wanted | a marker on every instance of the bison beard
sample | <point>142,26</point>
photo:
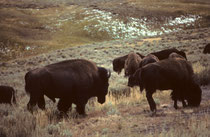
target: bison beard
<point>72,81</point>
<point>7,95</point>
<point>175,74</point>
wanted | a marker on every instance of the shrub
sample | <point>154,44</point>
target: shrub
<point>16,123</point>
<point>203,77</point>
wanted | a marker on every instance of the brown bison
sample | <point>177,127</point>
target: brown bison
<point>173,73</point>
<point>164,54</point>
<point>119,63</point>
<point>72,81</point>
<point>131,63</point>
<point>7,95</point>
<point>148,59</point>
<point>207,49</point>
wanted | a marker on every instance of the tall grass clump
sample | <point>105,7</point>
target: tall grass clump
<point>16,122</point>
<point>202,74</point>
<point>188,127</point>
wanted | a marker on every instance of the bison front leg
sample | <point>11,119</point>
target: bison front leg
<point>151,101</point>
<point>175,104</point>
<point>41,103</point>
<point>81,109</point>
<point>184,103</point>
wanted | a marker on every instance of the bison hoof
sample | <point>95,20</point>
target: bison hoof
<point>176,107</point>
<point>153,113</point>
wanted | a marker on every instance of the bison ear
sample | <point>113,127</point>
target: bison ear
<point>104,73</point>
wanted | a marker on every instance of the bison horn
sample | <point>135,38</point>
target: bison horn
<point>109,73</point>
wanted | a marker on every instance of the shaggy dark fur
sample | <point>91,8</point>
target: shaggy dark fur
<point>7,95</point>
<point>72,81</point>
<point>119,63</point>
<point>175,74</point>
<point>148,59</point>
<point>175,55</point>
<point>207,49</point>
<point>164,54</point>
<point>132,63</point>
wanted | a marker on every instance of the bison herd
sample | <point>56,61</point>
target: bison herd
<point>76,81</point>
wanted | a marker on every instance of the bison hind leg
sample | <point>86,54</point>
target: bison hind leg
<point>41,103</point>
<point>81,109</point>
<point>32,102</point>
<point>151,100</point>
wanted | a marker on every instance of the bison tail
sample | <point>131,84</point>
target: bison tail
<point>26,83</point>
<point>14,98</point>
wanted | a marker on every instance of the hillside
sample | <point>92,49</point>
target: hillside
<point>126,111</point>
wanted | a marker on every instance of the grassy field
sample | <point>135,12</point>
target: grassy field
<point>34,32</point>
<point>126,110</point>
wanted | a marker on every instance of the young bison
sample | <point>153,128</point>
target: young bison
<point>173,73</point>
<point>132,63</point>
<point>119,63</point>
<point>7,95</point>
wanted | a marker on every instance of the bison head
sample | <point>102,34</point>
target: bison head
<point>118,63</point>
<point>194,98</point>
<point>103,84</point>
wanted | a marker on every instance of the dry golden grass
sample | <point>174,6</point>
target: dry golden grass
<point>128,116</point>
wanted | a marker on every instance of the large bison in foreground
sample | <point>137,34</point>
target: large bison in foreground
<point>7,95</point>
<point>173,73</point>
<point>72,81</point>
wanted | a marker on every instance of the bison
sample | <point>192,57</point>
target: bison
<point>119,63</point>
<point>131,63</point>
<point>207,49</point>
<point>164,54</point>
<point>173,73</point>
<point>72,81</point>
<point>148,59</point>
<point>7,95</point>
